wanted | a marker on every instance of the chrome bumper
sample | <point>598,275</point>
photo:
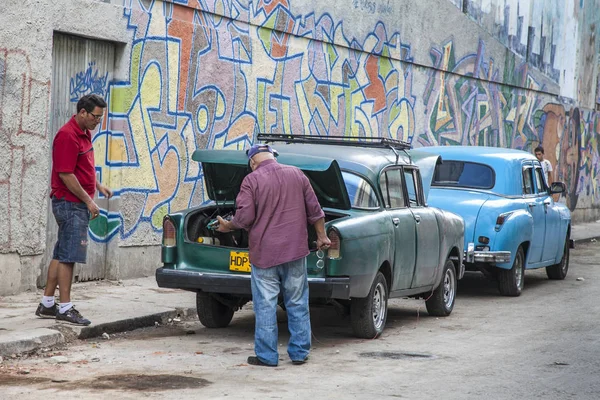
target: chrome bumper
<point>473,256</point>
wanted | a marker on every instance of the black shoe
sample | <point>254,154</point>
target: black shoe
<point>300,362</point>
<point>72,316</point>
<point>252,360</point>
<point>46,312</point>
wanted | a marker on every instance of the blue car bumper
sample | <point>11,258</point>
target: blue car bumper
<point>482,256</point>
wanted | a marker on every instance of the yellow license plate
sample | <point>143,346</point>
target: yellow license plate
<point>239,261</point>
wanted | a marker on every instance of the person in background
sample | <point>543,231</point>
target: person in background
<point>275,205</point>
<point>546,165</point>
<point>73,185</point>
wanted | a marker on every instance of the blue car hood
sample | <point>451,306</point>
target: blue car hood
<point>465,203</point>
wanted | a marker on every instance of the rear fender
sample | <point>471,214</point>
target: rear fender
<point>516,230</point>
<point>367,242</point>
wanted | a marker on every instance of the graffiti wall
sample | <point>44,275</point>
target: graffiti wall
<point>548,34</point>
<point>195,74</point>
<point>199,80</point>
<point>461,110</point>
<point>201,76</point>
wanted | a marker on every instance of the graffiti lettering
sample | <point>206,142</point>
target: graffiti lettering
<point>371,7</point>
<point>365,5</point>
<point>89,81</point>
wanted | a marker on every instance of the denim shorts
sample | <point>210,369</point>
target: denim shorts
<point>73,220</point>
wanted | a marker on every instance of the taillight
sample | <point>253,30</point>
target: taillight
<point>334,249</point>
<point>169,238</point>
<point>502,217</point>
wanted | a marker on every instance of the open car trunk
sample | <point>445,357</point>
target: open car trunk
<point>197,231</point>
<point>224,171</point>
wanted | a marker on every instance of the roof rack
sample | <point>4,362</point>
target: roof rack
<point>380,142</point>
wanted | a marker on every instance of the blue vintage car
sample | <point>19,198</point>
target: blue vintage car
<point>512,222</point>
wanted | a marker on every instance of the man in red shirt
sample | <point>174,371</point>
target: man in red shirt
<point>275,205</point>
<point>73,184</point>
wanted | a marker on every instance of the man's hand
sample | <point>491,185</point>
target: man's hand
<point>106,192</point>
<point>224,226</point>
<point>323,242</point>
<point>93,209</point>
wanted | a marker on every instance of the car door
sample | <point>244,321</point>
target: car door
<point>392,189</point>
<point>427,230</point>
<point>551,216</point>
<point>535,205</point>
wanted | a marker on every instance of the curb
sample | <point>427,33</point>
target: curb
<point>87,332</point>
<point>586,240</point>
<point>21,342</point>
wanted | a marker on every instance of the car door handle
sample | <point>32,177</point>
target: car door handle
<point>531,204</point>
<point>396,221</point>
<point>417,218</point>
<point>547,202</point>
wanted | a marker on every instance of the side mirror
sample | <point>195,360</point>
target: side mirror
<point>558,187</point>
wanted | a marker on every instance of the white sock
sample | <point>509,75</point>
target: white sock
<point>48,301</point>
<point>64,307</point>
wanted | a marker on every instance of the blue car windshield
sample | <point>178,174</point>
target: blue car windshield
<point>464,174</point>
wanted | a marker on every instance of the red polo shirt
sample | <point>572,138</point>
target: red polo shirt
<point>72,152</point>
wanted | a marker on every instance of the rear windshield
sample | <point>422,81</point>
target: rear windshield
<point>463,174</point>
<point>360,192</point>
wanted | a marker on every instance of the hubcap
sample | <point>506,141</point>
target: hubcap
<point>449,287</point>
<point>379,308</point>
<point>519,271</point>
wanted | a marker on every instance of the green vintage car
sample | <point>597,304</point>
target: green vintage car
<point>386,241</point>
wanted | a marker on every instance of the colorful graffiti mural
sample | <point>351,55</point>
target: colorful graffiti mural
<point>465,107</point>
<point>194,83</point>
<point>200,76</point>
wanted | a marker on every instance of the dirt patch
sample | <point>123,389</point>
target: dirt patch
<point>130,382</point>
<point>135,382</point>
<point>21,380</point>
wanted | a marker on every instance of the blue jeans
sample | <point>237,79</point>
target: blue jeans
<point>292,278</point>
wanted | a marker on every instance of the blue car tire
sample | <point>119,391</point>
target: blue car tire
<point>559,271</point>
<point>511,281</point>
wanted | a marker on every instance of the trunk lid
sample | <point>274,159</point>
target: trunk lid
<point>224,171</point>
<point>426,163</point>
<point>466,203</point>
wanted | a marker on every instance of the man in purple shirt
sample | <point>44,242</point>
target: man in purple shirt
<point>275,205</point>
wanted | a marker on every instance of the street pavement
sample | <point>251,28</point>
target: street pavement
<point>119,306</point>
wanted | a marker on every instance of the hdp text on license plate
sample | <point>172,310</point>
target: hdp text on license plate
<point>239,261</point>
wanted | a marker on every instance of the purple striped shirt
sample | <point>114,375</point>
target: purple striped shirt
<point>275,205</point>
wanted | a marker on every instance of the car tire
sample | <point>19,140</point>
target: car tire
<point>441,302</point>
<point>511,281</point>
<point>559,271</point>
<point>368,314</point>
<point>211,312</point>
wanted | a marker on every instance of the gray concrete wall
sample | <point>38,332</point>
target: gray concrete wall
<point>186,77</point>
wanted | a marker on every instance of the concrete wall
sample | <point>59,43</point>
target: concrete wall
<point>196,74</point>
